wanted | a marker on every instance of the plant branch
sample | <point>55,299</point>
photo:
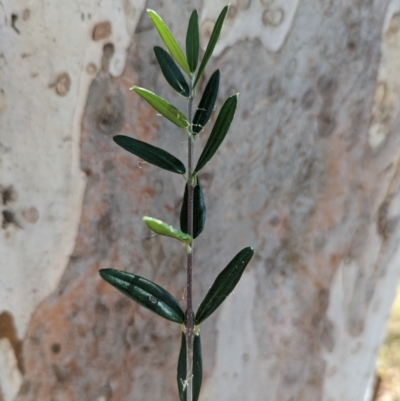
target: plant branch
<point>189,304</point>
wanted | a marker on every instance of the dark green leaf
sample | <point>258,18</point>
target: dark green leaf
<point>211,44</point>
<point>151,154</point>
<point>192,41</point>
<point>199,210</point>
<point>163,107</point>
<point>207,103</point>
<point>145,293</point>
<point>171,71</point>
<point>169,40</point>
<point>218,132</point>
<point>224,284</point>
<point>197,368</point>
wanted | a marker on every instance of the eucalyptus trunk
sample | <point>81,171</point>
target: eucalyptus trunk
<point>309,174</point>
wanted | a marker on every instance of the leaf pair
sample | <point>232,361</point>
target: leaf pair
<point>170,70</point>
<point>188,63</point>
<point>160,301</point>
<point>199,210</point>
<point>197,368</point>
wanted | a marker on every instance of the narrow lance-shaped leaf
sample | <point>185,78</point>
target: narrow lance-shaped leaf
<point>224,284</point>
<point>145,293</point>
<point>171,71</point>
<point>192,41</point>
<point>199,210</point>
<point>197,368</point>
<point>207,103</point>
<point>169,40</point>
<point>218,132</point>
<point>211,43</point>
<point>151,154</point>
<point>163,107</point>
<point>159,227</point>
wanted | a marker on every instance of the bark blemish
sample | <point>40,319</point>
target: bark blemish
<point>308,99</point>
<point>14,18</point>
<point>328,335</point>
<point>62,84</point>
<point>273,18</point>
<point>8,330</point>
<point>101,31</point>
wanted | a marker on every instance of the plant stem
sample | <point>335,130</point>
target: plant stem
<point>189,304</point>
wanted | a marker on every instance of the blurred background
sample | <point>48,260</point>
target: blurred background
<point>308,175</point>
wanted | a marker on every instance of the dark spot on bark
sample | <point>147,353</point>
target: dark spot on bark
<point>328,335</point>
<point>101,310</point>
<point>274,91</point>
<point>14,18</point>
<point>386,225</point>
<point>326,123</point>
<point>8,195</point>
<point>9,218</point>
<point>56,348</point>
<point>326,85</point>
<point>108,166</point>
<point>308,99</point>
<point>108,52</point>
<point>323,300</point>
<point>61,373</point>
<point>110,119</point>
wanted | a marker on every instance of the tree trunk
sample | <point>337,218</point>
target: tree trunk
<point>309,175</point>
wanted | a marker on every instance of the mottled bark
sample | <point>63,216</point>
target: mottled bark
<point>309,175</point>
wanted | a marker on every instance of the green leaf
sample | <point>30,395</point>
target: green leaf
<point>145,293</point>
<point>224,284</point>
<point>211,44</point>
<point>162,228</point>
<point>199,211</point>
<point>163,107</point>
<point>197,368</point>
<point>192,41</point>
<point>207,103</point>
<point>218,132</point>
<point>151,154</point>
<point>171,71</point>
<point>169,40</point>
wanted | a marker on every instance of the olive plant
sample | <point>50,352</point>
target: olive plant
<point>174,64</point>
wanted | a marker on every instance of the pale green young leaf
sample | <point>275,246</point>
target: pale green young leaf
<point>161,228</point>
<point>169,40</point>
<point>163,107</point>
